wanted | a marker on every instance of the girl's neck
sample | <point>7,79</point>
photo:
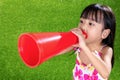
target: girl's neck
<point>95,46</point>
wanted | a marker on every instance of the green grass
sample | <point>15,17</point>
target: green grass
<point>19,16</point>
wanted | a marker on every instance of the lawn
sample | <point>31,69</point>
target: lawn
<point>20,16</point>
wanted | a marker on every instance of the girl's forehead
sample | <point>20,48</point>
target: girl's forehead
<point>96,16</point>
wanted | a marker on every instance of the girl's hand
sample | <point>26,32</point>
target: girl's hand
<point>78,32</point>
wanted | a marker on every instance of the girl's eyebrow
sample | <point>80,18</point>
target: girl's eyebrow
<point>82,18</point>
<point>88,19</point>
<point>91,18</point>
<point>94,20</point>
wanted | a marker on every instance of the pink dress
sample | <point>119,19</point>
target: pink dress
<point>85,72</point>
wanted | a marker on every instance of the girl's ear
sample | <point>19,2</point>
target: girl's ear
<point>105,33</point>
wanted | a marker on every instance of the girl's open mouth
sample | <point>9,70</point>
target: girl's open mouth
<point>85,34</point>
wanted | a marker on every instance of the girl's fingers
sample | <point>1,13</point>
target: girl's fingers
<point>76,45</point>
<point>79,32</point>
<point>76,31</point>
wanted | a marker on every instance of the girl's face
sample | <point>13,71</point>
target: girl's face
<point>92,28</point>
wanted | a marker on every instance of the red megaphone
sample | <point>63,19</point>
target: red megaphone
<point>35,48</point>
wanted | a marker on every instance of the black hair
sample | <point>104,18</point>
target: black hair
<point>107,17</point>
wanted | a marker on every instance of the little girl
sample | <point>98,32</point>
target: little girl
<point>94,59</point>
<point>95,53</point>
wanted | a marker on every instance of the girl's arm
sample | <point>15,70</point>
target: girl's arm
<point>66,50</point>
<point>103,66</point>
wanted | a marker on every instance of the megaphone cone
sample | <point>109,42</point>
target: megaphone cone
<point>35,48</point>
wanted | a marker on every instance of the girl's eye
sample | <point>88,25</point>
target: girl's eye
<point>91,24</point>
<point>81,21</point>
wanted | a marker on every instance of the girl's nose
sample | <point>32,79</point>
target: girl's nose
<point>83,28</point>
<point>84,32</point>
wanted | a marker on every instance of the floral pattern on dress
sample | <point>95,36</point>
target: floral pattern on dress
<point>85,72</point>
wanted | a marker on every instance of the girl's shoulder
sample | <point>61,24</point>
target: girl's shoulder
<point>107,51</point>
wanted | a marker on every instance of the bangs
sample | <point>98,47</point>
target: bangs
<point>93,13</point>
